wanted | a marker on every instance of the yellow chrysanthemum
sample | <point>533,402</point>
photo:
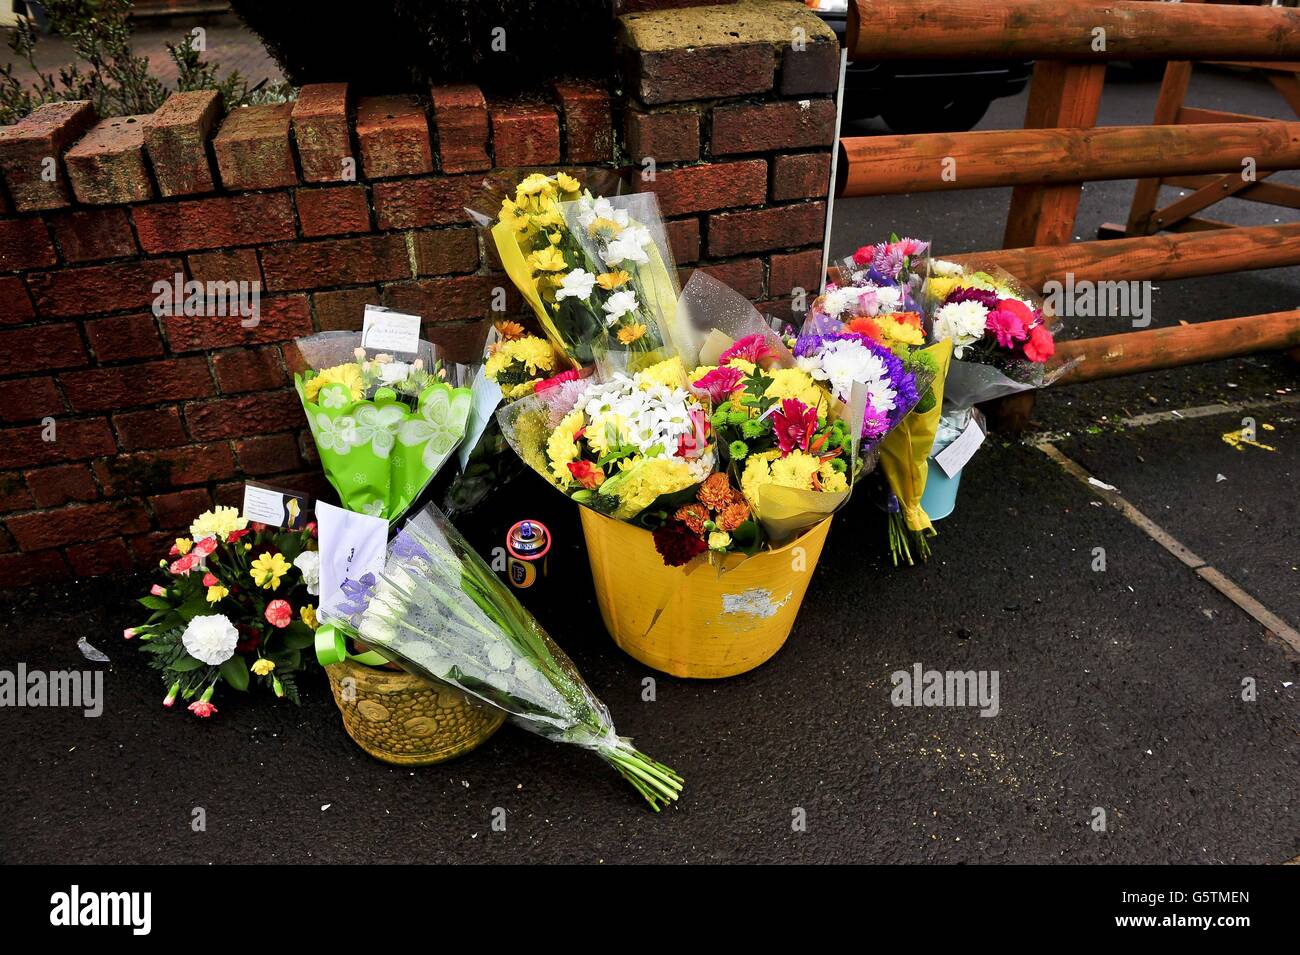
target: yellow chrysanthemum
<point>669,372</point>
<point>218,522</point>
<point>535,354</point>
<point>521,390</point>
<point>263,666</point>
<point>308,614</point>
<point>216,592</point>
<point>902,332</point>
<point>183,545</point>
<point>794,383</point>
<point>612,280</point>
<point>268,569</point>
<point>743,364</point>
<point>348,374</point>
<point>602,224</point>
<point>562,446</point>
<point>640,484</point>
<point>598,430</point>
<point>567,183</point>
<point>630,333</point>
<point>534,185</point>
<point>549,259</point>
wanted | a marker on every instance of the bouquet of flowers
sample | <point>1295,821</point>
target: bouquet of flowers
<point>596,271</point>
<point>440,612</point>
<point>617,444</point>
<point>235,605</point>
<point>384,425</point>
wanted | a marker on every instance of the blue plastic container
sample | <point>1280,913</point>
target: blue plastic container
<point>940,495</point>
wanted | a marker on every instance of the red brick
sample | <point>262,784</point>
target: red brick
<point>89,234</point>
<point>100,557</point>
<point>107,165</point>
<point>412,203</point>
<point>444,251</point>
<point>320,129</point>
<point>248,369</point>
<point>460,115</point>
<point>253,150</point>
<point>248,414</point>
<point>343,310</point>
<point>124,337</point>
<point>230,265</point>
<point>280,318</point>
<point>336,210</point>
<point>459,341</point>
<point>193,224</point>
<point>336,262</point>
<point>74,439</point>
<point>151,547</point>
<point>394,135</point>
<point>79,522</point>
<point>757,230</point>
<point>684,239</point>
<point>44,134</point>
<point>663,135</point>
<point>151,472</point>
<point>743,275</point>
<point>15,303</point>
<point>267,454</point>
<point>101,389</point>
<point>150,428</point>
<point>29,398</point>
<point>23,570</point>
<point>14,496</point>
<point>686,72</point>
<point>524,134</point>
<point>41,347</point>
<point>793,270</point>
<point>438,300</point>
<point>176,139</point>
<point>587,121</point>
<point>179,508</point>
<point>801,176</point>
<point>813,69</point>
<point>100,288</point>
<point>62,484</point>
<point>762,127</point>
<point>713,186</point>
<point>25,244</point>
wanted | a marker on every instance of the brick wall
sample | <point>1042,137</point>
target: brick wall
<point>155,417</point>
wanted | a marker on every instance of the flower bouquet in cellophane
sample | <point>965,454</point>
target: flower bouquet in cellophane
<point>383,424</point>
<point>236,606</point>
<point>440,612</point>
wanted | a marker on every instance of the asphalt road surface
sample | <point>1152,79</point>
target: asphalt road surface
<point>1120,690</point>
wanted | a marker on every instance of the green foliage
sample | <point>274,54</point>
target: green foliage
<point>106,71</point>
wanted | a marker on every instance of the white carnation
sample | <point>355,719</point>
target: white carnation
<point>620,304</point>
<point>577,284</point>
<point>210,638</point>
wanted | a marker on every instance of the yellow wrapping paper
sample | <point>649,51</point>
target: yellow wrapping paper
<point>905,450</point>
<point>516,266</point>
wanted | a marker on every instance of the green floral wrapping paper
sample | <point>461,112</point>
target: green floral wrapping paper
<point>380,454</point>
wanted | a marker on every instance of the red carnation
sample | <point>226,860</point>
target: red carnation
<point>185,564</point>
<point>206,546</point>
<point>1040,346</point>
<point>279,613</point>
<point>236,535</point>
<point>587,474</point>
<point>210,579</point>
<point>676,544</point>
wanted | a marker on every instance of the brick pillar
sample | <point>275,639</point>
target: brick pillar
<point>730,119</point>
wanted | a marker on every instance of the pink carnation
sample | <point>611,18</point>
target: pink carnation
<point>720,383</point>
<point>203,708</point>
<point>279,613</point>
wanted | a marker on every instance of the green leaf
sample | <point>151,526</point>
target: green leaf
<point>156,603</point>
<point>297,636</point>
<point>235,672</point>
<point>185,664</point>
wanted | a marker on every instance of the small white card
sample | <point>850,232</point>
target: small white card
<point>385,331</point>
<point>485,396</point>
<point>351,546</point>
<point>954,457</point>
<point>273,506</point>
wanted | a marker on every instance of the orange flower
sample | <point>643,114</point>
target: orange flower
<point>630,333</point>
<point>509,330</point>
<point>732,516</point>
<point>612,280</point>
<point>862,325</point>
<point>715,493</point>
<point>587,474</point>
<point>693,516</point>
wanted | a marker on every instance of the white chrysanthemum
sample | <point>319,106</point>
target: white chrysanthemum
<point>218,522</point>
<point>308,563</point>
<point>943,267</point>
<point>210,638</point>
<point>842,362</point>
<point>963,322</point>
<point>577,284</point>
<point>838,300</point>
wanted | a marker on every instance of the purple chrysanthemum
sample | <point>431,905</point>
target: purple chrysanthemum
<point>986,297</point>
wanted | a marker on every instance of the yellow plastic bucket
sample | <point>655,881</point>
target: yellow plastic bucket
<point>696,621</point>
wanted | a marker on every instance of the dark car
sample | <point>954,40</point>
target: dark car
<point>922,96</point>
